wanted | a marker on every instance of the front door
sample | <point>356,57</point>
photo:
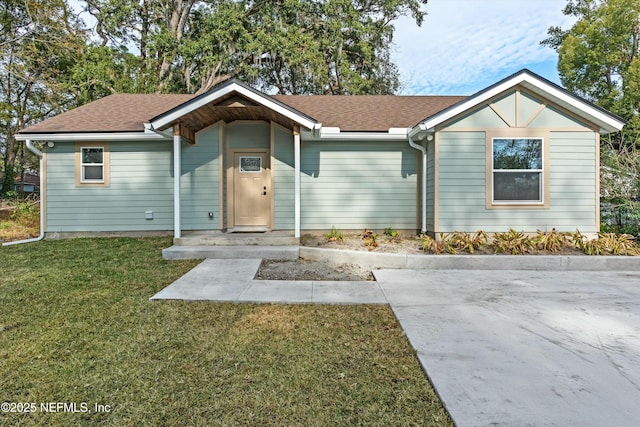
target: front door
<point>251,190</point>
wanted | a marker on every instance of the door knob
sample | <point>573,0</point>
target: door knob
<point>264,191</point>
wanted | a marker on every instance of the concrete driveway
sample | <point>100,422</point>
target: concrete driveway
<point>525,347</point>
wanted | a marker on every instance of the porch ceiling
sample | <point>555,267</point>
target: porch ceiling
<point>229,108</point>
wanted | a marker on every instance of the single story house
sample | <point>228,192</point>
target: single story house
<point>522,153</point>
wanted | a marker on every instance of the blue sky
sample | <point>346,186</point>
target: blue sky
<point>464,46</point>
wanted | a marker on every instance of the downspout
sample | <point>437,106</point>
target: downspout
<point>38,153</point>
<point>424,178</point>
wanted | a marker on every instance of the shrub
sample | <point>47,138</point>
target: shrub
<point>429,244</point>
<point>589,247</point>
<point>433,246</point>
<point>619,244</point>
<point>334,235</point>
<point>26,213</point>
<point>464,242</point>
<point>370,239</point>
<point>615,244</point>
<point>393,234</point>
<point>512,242</point>
<point>550,241</point>
<point>19,220</point>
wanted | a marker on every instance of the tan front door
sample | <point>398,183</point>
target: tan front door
<point>251,190</point>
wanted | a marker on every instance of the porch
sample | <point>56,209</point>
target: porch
<point>220,245</point>
<point>219,238</point>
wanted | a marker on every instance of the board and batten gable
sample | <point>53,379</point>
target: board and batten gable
<point>354,185</point>
<point>462,180</point>
<point>140,180</point>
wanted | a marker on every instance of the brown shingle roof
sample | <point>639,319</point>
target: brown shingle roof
<point>113,113</point>
<point>368,113</point>
<point>129,112</point>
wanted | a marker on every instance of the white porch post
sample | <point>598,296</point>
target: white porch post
<point>296,160</point>
<point>177,141</point>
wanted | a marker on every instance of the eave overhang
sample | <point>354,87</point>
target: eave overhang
<point>257,101</point>
<point>605,121</point>
<point>147,135</point>
<point>336,134</point>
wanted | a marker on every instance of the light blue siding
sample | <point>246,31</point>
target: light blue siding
<point>529,105</point>
<point>507,106</point>
<point>462,186</point>
<point>356,185</point>
<point>199,182</point>
<point>140,181</point>
<point>484,117</point>
<point>249,135</point>
<point>283,179</point>
<point>550,117</point>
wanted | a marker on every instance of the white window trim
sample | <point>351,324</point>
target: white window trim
<point>540,171</point>
<point>83,164</point>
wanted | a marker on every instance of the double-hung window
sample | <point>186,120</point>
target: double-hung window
<point>92,164</point>
<point>517,172</point>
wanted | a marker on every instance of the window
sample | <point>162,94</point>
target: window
<point>92,164</point>
<point>517,170</point>
<point>250,164</point>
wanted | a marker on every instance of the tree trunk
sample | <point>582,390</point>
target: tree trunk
<point>8,180</point>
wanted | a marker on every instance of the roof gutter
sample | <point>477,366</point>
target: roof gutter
<point>421,133</point>
<point>38,153</point>
<point>92,136</point>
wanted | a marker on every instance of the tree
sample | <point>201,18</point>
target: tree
<point>290,46</point>
<point>599,58</point>
<point>39,40</point>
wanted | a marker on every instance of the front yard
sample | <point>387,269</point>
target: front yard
<point>77,330</point>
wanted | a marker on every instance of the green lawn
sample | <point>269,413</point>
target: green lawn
<point>76,326</point>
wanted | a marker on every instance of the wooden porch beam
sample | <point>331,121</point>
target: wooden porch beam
<point>188,134</point>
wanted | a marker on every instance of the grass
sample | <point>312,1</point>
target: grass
<point>76,326</point>
<point>19,220</point>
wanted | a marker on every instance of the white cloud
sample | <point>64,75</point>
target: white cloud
<point>466,45</point>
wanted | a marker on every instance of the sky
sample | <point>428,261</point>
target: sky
<point>464,46</point>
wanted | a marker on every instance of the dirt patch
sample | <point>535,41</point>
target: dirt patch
<point>407,244</point>
<point>302,269</point>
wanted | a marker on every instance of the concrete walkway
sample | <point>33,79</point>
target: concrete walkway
<point>503,347</point>
<point>521,348</point>
<point>232,280</point>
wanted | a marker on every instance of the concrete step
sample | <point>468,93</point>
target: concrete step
<point>237,239</point>
<point>228,252</point>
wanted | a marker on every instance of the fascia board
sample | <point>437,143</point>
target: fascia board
<point>363,136</point>
<point>233,87</point>
<point>471,103</point>
<point>605,121</point>
<point>590,113</point>
<point>89,136</point>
